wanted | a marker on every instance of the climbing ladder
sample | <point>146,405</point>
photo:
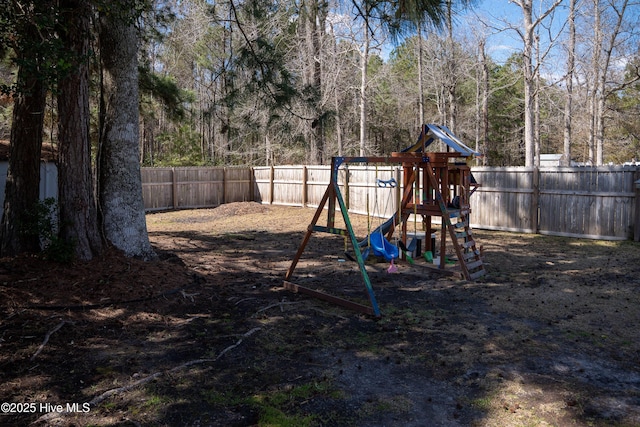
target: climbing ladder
<point>464,244</point>
<point>469,257</point>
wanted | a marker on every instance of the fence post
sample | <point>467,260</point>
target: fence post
<point>271,184</point>
<point>636,214</point>
<point>174,188</point>
<point>305,191</point>
<point>252,184</point>
<point>535,199</point>
<point>224,185</point>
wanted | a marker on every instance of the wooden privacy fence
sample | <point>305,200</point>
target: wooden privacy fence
<point>589,202</point>
<point>195,187</point>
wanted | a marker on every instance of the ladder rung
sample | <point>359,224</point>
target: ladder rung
<point>475,275</point>
<point>458,213</point>
<point>469,255</point>
<point>468,244</point>
<point>473,265</point>
<point>461,234</point>
<point>461,224</point>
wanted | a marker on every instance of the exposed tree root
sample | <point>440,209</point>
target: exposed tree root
<point>49,416</point>
<point>46,339</point>
<point>280,304</point>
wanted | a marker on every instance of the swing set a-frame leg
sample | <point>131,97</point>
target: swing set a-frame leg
<point>332,194</point>
<point>307,235</point>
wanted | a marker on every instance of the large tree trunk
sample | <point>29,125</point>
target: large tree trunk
<point>568,106</point>
<point>318,38</point>
<point>78,212</point>
<point>315,18</point>
<point>336,71</point>
<point>482,144</point>
<point>421,120</point>
<point>529,89</point>
<point>364,63</point>
<point>603,87</point>
<point>23,176</point>
<point>120,185</point>
<point>451,77</point>
<point>529,26</point>
<point>594,82</point>
<point>536,105</point>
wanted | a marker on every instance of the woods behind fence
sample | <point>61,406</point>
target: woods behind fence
<point>591,202</point>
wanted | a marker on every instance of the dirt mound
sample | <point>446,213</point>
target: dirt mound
<point>240,208</point>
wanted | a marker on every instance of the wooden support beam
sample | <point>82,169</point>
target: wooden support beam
<point>330,298</point>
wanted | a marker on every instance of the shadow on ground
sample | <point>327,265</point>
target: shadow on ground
<point>207,336</point>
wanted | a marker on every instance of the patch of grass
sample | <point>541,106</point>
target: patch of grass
<point>393,404</point>
<point>215,397</point>
<point>271,416</point>
<point>303,392</point>
<point>154,401</point>
<point>108,405</point>
<point>151,404</point>
<point>106,371</point>
<point>482,403</point>
<point>277,407</point>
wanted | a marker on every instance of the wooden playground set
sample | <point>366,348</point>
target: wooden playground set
<point>434,184</point>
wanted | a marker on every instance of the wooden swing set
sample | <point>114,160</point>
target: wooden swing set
<point>434,184</point>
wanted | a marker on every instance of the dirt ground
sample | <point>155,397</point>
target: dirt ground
<point>206,335</point>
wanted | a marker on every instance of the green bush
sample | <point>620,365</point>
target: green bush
<point>42,221</point>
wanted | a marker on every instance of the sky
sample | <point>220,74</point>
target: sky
<point>497,13</point>
<point>502,16</point>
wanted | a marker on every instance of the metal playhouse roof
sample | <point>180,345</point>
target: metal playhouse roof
<point>432,131</point>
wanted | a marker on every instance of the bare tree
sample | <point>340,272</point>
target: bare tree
<point>452,75</point>
<point>571,63</point>
<point>527,33</point>
<point>363,34</point>
<point>364,66</point>
<point>482,100</point>
<point>338,70</point>
<point>421,118</point>
<point>314,15</point>
<point>608,41</point>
